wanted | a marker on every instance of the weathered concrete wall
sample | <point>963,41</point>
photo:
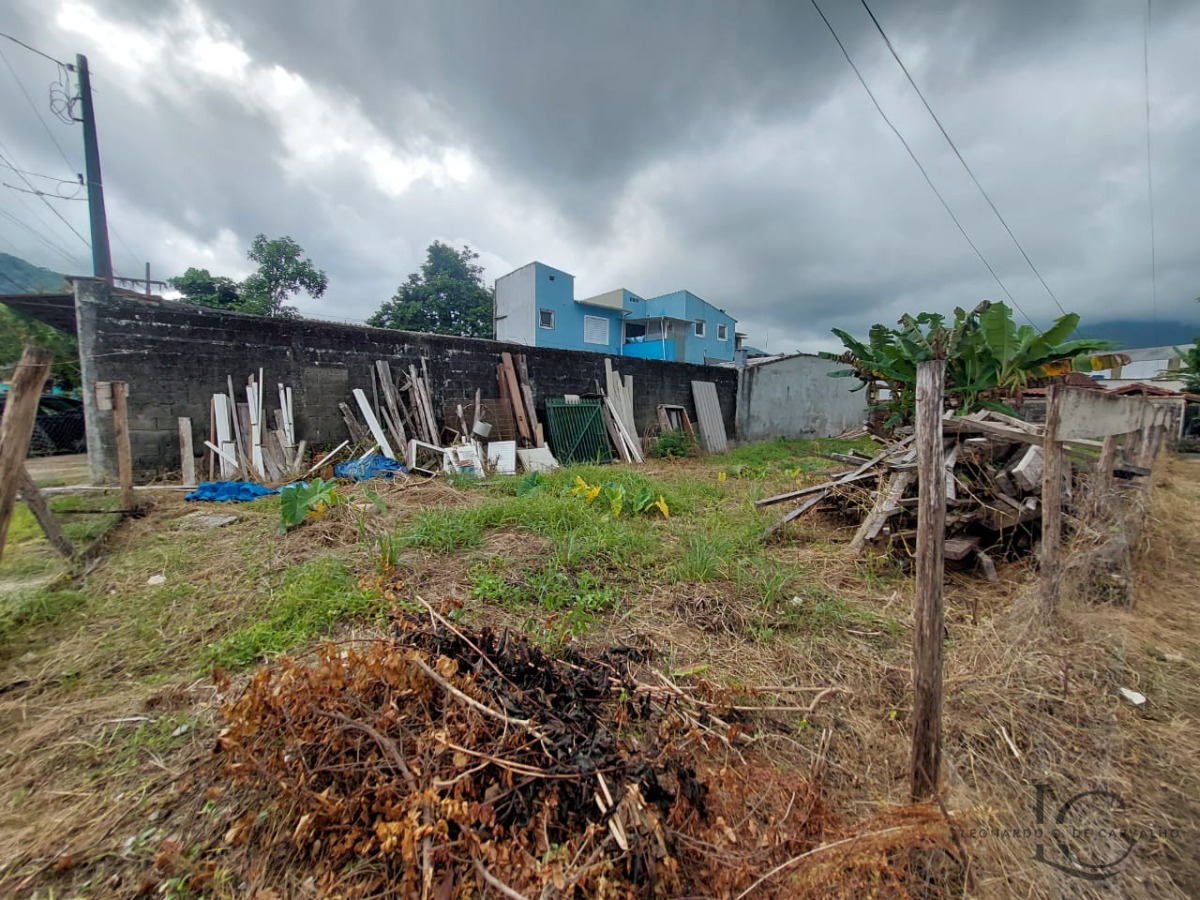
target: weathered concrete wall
<point>794,397</point>
<point>175,357</point>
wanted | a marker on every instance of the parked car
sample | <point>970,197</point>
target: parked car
<point>59,426</point>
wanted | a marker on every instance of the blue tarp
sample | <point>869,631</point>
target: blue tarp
<point>221,491</point>
<point>374,466</point>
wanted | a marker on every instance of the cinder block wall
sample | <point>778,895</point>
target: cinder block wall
<point>175,357</point>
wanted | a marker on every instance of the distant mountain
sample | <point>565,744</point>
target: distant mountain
<point>1131,334</point>
<point>20,277</point>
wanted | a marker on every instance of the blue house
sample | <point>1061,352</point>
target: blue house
<point>536,306</point>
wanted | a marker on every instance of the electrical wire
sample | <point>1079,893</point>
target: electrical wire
<point>36,111</point>
<point>74,261</point>
<point>954,147</point>
<point>1150,163</point>
<point>76,180</point>
<point>55,196</point>
<point>33,49</point>
<point>915,160</point>
<point>12,164</point>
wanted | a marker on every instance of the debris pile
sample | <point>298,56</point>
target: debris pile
<point>993,491</point>
<point>445,761</point>
<point>244,444</point>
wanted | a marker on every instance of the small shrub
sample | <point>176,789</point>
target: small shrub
<point>674,445</point>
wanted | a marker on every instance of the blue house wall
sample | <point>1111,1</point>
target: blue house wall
<point>554,290</point>
<point>686,305</point>
<point>523,296</point>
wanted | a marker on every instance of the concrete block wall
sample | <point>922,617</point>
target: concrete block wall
<point>174,357</point>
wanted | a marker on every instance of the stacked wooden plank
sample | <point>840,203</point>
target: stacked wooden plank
<point>516,392</point>
<point>399,410</point>
<point>993,490</point>
<point>617,408</point>
<point>244,443</point>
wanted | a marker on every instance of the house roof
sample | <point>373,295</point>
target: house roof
<point>1145,390</point>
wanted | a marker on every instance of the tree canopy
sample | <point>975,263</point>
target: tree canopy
<point>201,288</point>
<point>283,270</point>
<point>448,296</point>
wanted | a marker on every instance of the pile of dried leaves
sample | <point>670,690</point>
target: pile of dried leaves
<point>449,762</point>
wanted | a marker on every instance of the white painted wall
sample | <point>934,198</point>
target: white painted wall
<point>516,306</point>
<point>794,397</point>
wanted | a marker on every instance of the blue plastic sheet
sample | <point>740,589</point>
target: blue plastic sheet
<point>376,465</point>
<point>226,491</point>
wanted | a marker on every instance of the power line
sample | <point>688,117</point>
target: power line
<point>36,111</point>
<point>57,178</point>
<point>55,247</point>
<point>954,147</point>
<point>29,184</point>
<point>1150,162</point>
<point>33,49</point>
<point>928,180</point>
<point>37,193</point>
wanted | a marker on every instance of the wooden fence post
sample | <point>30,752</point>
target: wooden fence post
<point>925,769</point>
<point>20,415</point>
<point>1052,478</point>
<point>187,457</point>
<point>120,396</point>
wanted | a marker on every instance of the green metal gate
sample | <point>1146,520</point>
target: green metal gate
<point>577,432</point>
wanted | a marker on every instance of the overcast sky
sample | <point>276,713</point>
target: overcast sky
<point>722,147</point>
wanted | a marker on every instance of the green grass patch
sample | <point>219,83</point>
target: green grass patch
<point>582,533</point>
<point>787,453</point>
<point>314,596</point>
<point>32,607</point>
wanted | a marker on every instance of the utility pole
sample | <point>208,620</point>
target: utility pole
<point>101,255</point>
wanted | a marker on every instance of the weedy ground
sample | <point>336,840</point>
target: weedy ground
<point>107,700</point>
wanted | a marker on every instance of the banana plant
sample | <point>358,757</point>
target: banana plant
<point>987,356</point>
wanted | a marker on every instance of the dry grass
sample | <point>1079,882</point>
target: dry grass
<point>1026,703</point>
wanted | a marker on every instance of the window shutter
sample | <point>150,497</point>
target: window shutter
<point>595,330</point>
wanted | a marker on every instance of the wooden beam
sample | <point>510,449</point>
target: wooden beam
<point>1052,479</point>
<point>121,438</point>
<point>37,504</point>
<point>513,390</point>
<point>926,762</point>
<point>20,415</point>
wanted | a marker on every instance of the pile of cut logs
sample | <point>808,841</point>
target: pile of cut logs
<point>993,491</point>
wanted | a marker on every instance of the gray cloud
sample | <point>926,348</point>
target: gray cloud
<point>724,148</point>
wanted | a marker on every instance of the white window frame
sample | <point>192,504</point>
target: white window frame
<point>542,312</point>
<point>607,325</point>
<point>722,332</point>
<point>698,328</point>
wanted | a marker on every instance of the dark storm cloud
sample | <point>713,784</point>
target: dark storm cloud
<point>720,147</point>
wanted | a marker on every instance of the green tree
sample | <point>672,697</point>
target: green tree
<point>447,296</point>
<point>17,331</point>
<point>201,288</point>
<point>283,270</point>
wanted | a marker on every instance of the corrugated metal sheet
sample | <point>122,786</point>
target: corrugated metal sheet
<point>709,418</point>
